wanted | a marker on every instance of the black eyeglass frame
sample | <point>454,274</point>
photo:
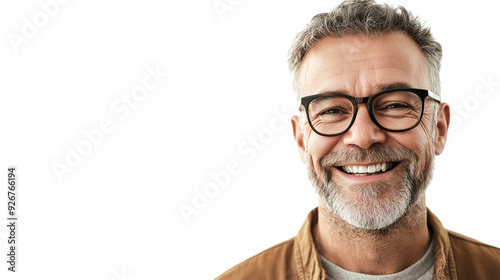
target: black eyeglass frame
<point>422,93</point>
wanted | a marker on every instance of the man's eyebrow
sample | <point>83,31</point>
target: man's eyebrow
<point>394,85</point>
<point>379,88</point>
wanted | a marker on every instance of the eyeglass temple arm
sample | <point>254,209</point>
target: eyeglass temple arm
<point>434,96</point>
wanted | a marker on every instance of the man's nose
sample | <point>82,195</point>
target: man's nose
<point>364,132</point>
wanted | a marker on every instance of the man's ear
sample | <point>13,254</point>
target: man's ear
<point>299,137</point>
<point>441,131</point>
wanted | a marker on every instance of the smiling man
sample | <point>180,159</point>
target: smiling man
<point>371,121</point>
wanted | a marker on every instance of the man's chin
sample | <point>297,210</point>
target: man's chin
<point>371,214</point>
<point>369,223</point>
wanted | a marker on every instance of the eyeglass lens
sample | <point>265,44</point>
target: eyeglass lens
<point>396,110</point>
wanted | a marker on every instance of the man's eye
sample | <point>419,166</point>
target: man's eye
<point>397,106</point>
<point>332,111</point>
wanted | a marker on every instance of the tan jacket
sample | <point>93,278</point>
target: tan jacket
<point>456,257</point>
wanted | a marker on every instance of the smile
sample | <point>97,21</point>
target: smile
<point>367,170</point>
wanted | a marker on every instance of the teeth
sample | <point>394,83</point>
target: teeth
<point>371,168</point>
<point>362,169</point>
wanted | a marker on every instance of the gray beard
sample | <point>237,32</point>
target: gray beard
<point>369,210</point>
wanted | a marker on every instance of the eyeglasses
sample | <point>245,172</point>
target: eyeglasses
<point>395,110</point>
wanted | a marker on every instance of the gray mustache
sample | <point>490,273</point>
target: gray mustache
<point>376,153</point>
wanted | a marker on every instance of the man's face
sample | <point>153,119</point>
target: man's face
<point>360,66</point>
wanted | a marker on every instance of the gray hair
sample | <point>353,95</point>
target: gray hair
<point>365,17</point>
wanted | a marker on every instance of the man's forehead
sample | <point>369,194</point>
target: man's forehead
<point>361,63</point>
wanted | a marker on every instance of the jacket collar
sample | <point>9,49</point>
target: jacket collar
<point>309,264</point>
<point>444,262</point>
<point>307,257</point>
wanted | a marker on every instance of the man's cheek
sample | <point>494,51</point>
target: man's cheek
<point>319,146</point>
<point>315,166</point>
<point>319,171</point>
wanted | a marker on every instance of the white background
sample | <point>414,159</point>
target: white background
<point>116,214</point>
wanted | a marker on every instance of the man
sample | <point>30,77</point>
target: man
<point>370,123</point>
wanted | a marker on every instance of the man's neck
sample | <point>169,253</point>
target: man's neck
<point>374,252</point>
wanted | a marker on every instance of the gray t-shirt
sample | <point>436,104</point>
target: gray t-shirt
<point>421,270</point>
